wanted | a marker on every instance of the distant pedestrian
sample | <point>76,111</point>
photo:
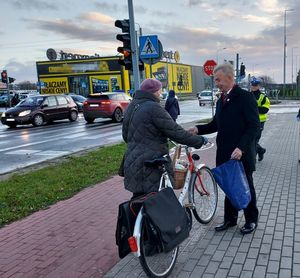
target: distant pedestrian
<point>237,123</point>
<point>263,104</point>
<point>15,100</point>
<point>172,105</point>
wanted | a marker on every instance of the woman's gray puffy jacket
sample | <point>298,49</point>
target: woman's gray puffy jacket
<point>146,128</point>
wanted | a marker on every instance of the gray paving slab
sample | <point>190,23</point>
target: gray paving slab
<point>273,250</point>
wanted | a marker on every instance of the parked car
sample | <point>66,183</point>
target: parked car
<point>79,100</point>
<point>204,97</point>
<point>105,105</point>
<point>4,99</point>
<point>39,109</point>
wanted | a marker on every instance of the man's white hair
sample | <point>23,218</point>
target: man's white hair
<point>226,68</point>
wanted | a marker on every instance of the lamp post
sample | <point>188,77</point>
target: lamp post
<point>284,49</point>
<point>293,66</point>
<point>218,50</point>
<point>297,56</point>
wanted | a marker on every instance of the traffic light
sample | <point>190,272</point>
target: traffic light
<point>11,80</point>
<point>4,76</point>
<point>242,70</point>
<point>126,59</point>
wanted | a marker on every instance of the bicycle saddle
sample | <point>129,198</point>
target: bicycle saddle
<point>156,162</point>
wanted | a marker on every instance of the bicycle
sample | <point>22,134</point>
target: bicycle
<point>202,193</point>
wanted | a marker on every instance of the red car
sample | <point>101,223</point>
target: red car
<point>105,105</point>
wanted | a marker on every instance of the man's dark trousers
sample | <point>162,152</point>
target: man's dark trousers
<point>259,148</point>
<point>250,212</point>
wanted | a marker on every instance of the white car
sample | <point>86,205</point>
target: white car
<point>204,97</point>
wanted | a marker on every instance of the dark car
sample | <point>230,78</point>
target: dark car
<point>105,105</point>
<point>39,109</point>
<point>79,100</point>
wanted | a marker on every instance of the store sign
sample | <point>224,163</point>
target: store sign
<point>172,55</point>
<point>58,85</point>
<point>52,55</point>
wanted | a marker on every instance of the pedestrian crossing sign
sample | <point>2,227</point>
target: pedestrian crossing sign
<point>149,47</point>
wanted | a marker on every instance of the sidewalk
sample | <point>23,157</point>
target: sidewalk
<point>75,238</point>
<point>273,250</point>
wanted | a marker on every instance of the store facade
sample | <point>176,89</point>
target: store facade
<point>84,76</point>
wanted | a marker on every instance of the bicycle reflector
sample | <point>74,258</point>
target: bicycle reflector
<point>132,244</point>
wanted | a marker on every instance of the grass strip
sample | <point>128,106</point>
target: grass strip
<point>23,194</point>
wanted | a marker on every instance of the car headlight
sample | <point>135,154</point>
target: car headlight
<point>24,113</point>
<point>3,114</point>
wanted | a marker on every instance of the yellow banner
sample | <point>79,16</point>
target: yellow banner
<point>176,77</point>
<point>57,85</point>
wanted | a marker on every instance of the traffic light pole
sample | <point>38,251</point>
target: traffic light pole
<point>134,47</point>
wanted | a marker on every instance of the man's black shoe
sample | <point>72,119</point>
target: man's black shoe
<point>248,228</point>
<point>261,155</point>
<point>224,226</point>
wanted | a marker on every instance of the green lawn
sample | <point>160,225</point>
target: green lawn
<point>20,195</point>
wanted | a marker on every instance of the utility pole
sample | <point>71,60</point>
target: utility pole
<point>134,47</point>
<point>237,68</point>
<point>284,50</point>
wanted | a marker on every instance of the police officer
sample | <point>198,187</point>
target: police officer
<point>263,108</point>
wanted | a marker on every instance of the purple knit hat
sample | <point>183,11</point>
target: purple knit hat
<point>150,85</point>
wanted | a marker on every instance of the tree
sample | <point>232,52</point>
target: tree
<point>27,85</point>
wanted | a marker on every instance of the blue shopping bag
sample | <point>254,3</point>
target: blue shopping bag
<point>231,177</point>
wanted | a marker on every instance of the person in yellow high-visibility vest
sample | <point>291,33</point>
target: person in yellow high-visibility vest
<point>263,104</point>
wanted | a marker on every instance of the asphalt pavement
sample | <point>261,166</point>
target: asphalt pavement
<point>75,237</point>
<point>24,146</point>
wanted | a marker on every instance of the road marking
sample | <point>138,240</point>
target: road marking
<point>18,152</point>
<point>53,153</point>
<point>100,136</point>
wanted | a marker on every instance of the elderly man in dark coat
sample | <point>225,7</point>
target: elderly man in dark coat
<point>146,129</point>
<point>237,123</point>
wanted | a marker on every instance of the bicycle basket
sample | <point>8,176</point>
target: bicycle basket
<point>179,178</point>
<point>179,174</point>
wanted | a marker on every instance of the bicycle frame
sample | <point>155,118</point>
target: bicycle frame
<point>134,240</point>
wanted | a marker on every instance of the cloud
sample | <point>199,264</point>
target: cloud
<point>138,9</point>
<point>75,31</point>
<point>192,3</point>
<point>97,17</point>
<point>22,71</point>
<point>258,19</point>
<point>269,6</point>
<point>33,4</point>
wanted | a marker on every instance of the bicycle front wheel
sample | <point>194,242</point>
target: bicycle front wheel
<point>204,195</point>
<point>153,260</point>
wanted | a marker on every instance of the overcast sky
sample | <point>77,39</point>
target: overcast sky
<point>198,29</point>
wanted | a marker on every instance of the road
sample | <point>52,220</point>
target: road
<point>27,145</point>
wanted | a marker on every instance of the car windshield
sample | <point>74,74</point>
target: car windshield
<point>78,98</point>
<point>205,94</point>
<point>31,101</point>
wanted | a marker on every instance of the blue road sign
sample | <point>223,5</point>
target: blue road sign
<point>149,48</point>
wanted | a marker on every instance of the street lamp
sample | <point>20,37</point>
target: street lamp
<point>284,49</point>
<point>218,50</point>
<point>293,66</point>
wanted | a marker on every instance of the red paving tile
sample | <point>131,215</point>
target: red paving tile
<point>63,240</point>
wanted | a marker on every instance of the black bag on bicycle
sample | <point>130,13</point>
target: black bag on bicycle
<point>168,217</point>
<point>127,214</point>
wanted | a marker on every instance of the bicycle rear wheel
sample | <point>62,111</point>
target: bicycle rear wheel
<point>153,260</point>
<point>204,195</point>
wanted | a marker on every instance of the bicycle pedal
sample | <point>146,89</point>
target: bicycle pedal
<point>189,205</point>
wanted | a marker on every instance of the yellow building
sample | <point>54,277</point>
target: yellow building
<point>102,74</point>
<point>82,76</point>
